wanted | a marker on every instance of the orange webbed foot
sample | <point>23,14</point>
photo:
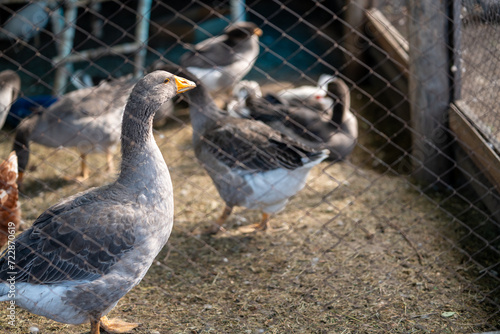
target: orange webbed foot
<point>262,226</point>
<point>117,325</point>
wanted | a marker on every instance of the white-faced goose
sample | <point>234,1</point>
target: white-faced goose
<point>335,129</point>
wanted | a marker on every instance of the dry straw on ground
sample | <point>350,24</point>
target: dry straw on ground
<point>355,252</point>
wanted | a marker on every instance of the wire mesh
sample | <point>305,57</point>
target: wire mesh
<point>362,248</point>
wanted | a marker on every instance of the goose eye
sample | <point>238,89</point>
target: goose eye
<point>166,81</point>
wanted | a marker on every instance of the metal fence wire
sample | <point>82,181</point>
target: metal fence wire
<point>364,245</point>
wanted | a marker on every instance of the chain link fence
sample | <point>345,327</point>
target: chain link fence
<point>362,248</point>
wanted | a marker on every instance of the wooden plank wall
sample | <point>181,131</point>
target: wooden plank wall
<point>482,164</point>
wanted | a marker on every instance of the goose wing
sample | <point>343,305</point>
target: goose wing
<point>254,146</point>
<point>79,239</point>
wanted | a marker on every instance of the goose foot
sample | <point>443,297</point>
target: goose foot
<point>85,170</point>
<point>257,227</point>
<point>217,227</point>
<point>79,178</point>
<point>262,226</point>
<point>94,327</point>
<point>117,325</point>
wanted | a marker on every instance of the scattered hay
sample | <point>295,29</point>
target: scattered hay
<point>346,259</point>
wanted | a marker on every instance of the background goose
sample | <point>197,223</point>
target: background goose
<point>335,129</point>
<point>241,91</point>
<point>82,80</point>
<point>219,62</point>
<point>86,252</point>
<point>251,164</point>
<point>311,96</point>
<point>10,85</point>
<point>87,119</point>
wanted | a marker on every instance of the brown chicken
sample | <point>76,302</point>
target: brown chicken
<point>10,212</point>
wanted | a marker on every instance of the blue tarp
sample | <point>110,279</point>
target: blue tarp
<point>24,106</point>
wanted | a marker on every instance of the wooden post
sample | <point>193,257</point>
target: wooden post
<point>355,39</point>
<point>430,89</point>
<point>455,32</point>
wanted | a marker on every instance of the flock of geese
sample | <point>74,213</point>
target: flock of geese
<point>86,252</point>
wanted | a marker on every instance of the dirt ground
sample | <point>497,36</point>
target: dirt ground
<point>355,252</point>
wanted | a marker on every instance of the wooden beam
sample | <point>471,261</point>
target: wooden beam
<point>476,181</point>
<point>474,144</point>
<point>392,51</point>
<point>389,39</point>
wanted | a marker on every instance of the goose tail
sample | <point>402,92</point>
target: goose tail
<point>315,157</point>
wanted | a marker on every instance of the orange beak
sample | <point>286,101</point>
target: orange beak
<point>257,31</point>
<point>183,85</point>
